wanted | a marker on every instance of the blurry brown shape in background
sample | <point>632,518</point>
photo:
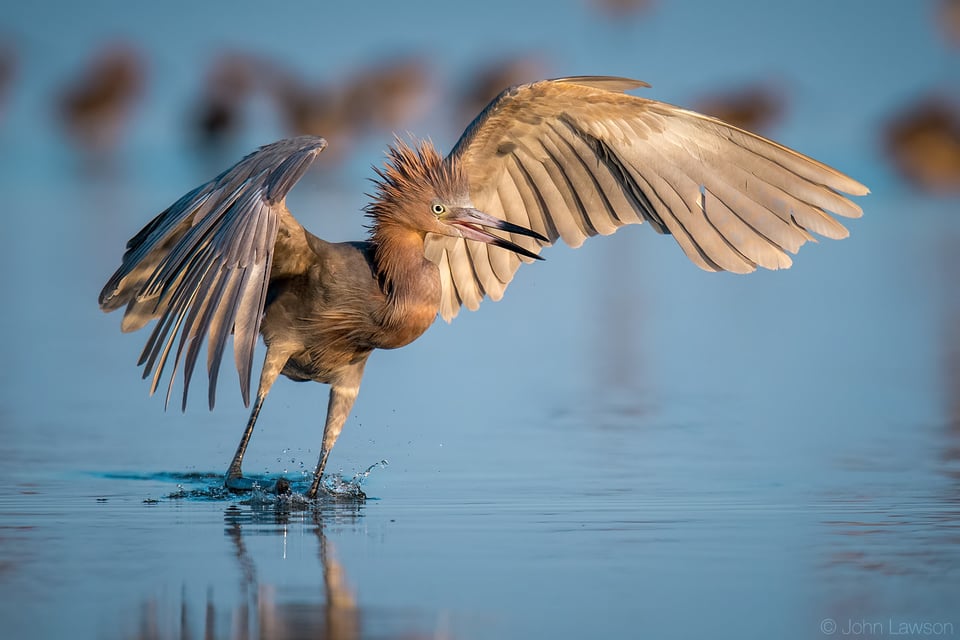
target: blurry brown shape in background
<point>380,97</point>
<point>8,68</point>
<point>98,101</point>
<point>487,82</point>
<point>621,9</point>
<point>387,95</point>
<point>923,141</point>
<point>948,20</point>
<point>310,109</point>
<point>230,83</point>
<point>755,107</point>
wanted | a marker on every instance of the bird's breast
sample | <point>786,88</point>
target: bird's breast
<point>405,323</point>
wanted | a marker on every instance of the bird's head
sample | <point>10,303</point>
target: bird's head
<point>420,191</point>
<point>463,221</point>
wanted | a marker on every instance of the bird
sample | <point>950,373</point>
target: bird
<point>561,159</point>
<point>217,113</point>
<point>754,106</point>
<point>97,103</point>
<point>923,142</point>
<point>486,82</point>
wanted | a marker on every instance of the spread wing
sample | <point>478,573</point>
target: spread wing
<point>576,157</point>
<point>202,267</point>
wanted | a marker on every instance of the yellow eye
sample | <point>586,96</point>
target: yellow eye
<point>438,209</point>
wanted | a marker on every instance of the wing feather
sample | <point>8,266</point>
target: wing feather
<point>504,263</point>
<point>576,157</point>
<point>202,267</point>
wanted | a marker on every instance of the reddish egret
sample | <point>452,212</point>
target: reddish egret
<point>568,159</point>
<point>487,82</point>
<point>96,104</point>
<point>229,84</point>
<point>923,141</point>
<point>754,106</point>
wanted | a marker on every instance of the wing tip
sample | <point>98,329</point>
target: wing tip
<point>858,189</point>
<point>608,83</point>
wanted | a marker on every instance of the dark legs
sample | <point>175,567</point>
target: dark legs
<point>272,365</point>
<point>235,478</point>
<point>343,392</point>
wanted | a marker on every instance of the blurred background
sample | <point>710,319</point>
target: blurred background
<point>624,445</point>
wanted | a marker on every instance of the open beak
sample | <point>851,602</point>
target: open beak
<point>473,225</point>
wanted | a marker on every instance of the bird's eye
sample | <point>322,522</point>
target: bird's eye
<point>438,209</point>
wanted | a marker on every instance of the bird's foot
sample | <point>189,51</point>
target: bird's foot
<point>236,483</point>
<point>239,484</point>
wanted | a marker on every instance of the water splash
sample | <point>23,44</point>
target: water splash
<point>207,492</point>
<point>264,489</point>
<point>337,486</point>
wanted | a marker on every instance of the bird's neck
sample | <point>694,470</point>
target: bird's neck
<point>410,280</point>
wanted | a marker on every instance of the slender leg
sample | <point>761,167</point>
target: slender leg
<point>272,365</point>
<point>342,396</point>
<point>234,472</point>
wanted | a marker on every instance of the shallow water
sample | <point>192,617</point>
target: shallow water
<point>623,447</point>
<point>732,457</point>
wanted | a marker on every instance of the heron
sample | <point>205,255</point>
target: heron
<point>562,159</point>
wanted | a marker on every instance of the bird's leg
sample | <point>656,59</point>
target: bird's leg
<point>273,363</point>
<point>343,393</point>
<point>338,409</point>
<point>234,472</point>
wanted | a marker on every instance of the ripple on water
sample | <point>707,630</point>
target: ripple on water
<point>202,486</point>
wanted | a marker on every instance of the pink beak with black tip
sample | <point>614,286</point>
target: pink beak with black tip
<point>473,224</point>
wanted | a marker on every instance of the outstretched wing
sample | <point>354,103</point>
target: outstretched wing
<point>202,267</point>
<point>576,157</point>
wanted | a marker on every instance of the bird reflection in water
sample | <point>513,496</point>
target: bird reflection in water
<point>263,611</point>
<point>878,528</point>
<point>336,617</point>
<point>948,267</point>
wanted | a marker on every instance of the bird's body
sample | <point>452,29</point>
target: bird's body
<point>564,159</point>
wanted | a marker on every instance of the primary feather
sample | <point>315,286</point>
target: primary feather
<point>576,157</point>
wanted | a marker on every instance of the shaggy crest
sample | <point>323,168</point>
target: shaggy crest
<point>411,174</point>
